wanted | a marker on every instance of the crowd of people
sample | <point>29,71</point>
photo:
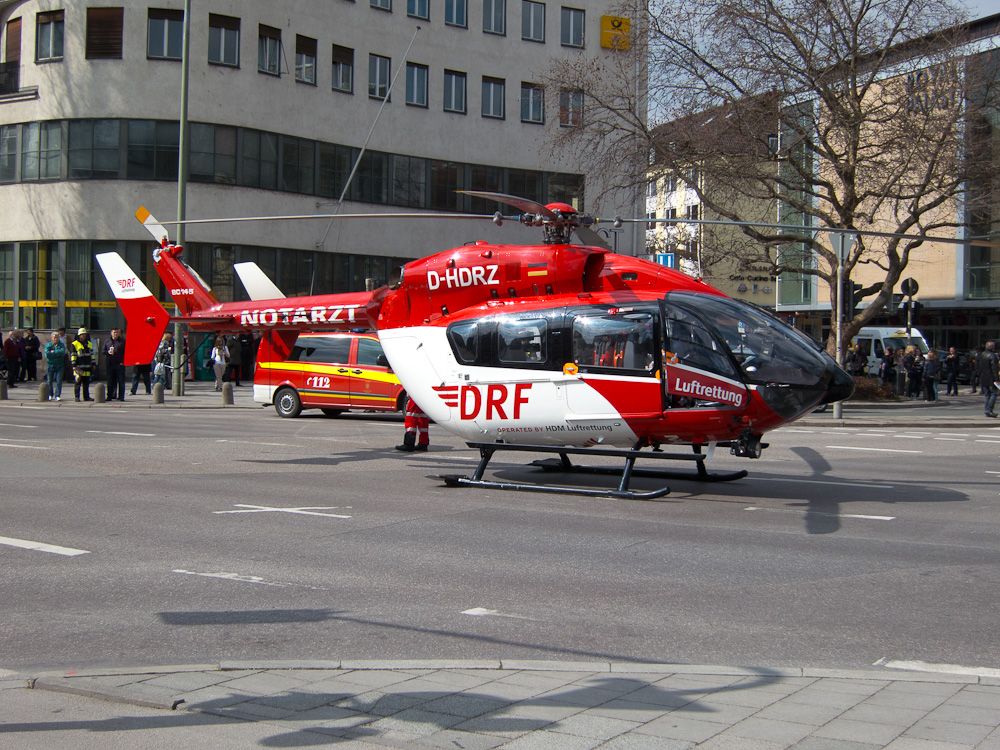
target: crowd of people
<point>77,359</point>
<point>914,374</point>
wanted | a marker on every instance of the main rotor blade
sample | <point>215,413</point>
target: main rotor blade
<point>590,237</point>
<point>232,219</point>
<point>792,229</point>
<point>524,204</point>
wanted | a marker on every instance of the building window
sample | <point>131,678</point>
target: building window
<point>532,103</point>
<point>493,96</point>
<point>269,50</point>
<point>416,84</point>
<point>213,153</point>
<point>152,150</point>
<point>532,21</point>
<point>454,91</point>
<point>572,27</point>
<point>93,149</point>
<point>41,151</point>
<point>104,33</point>
<point>691,213</point>
<point>382,4</point>
<point>223,40</point>
<point>8,154</point>
<point>417,9</point>
<point>378,76</point>
<point>298,164</point>
<point>455,13</point>
<point>49,36</point>
<point>305,59</point>
<point>409,181</point>
<point>447,178</point>
<point>343,69</point>
<point>570,108</point>
<point>495,16</point>
<point>335,163</point>
<point>165,34</point>
<point>260,159</point>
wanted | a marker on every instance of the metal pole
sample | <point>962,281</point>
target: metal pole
<point>182,178</point>
<point>838,244</point>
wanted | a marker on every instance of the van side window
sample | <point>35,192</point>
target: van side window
<point>369,350</point>
<point>878,349</point>
<point>315,349</point>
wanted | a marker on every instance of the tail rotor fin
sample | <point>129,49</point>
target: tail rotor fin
<point>188,290</point>
<point>145,317</point>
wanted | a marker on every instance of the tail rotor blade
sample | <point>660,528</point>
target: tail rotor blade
<point>154,227</point>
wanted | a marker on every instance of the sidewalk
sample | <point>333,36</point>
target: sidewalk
<point>521,705</point>
<point>952,412</point>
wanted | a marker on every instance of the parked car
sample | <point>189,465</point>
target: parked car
<point>331,372</point>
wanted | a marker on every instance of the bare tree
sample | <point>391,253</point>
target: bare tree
<point>872,115</point>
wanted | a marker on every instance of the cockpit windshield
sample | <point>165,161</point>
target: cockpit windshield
<point>766,350</point>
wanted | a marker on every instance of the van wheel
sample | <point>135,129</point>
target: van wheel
<point>287,403</point>
<point>401,402</point>
<point>332,412</point>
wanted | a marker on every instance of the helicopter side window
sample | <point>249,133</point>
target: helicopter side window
<point>464,338</point>
<point>686,341</point>
<point>614,341</point>
<point>521,341</point>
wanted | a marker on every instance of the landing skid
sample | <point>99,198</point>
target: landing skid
<point>563,464</point>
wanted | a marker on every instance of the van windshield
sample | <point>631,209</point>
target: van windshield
<point>901,342</point>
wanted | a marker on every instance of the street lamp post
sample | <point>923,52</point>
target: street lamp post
<point>182,178</point>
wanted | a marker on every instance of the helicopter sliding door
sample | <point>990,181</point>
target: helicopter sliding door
<point>615,352</point>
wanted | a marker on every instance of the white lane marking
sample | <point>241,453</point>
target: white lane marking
<point>483,612</point>
<point>879,450</point>
<point>910,437</point>
<point>810,432</point>
<point>253,442</point>
<point>994,435</point>
<point>988,441</point>
<point>126,434</point>
<point>960,440</point>
<point>923,666</point>
<point>817,481</point>
<point>20,426</point>
<point>248,579</point>
<point>822,513</point>
<point>955,434</point>
<point>992,472</point>
<point>27,447</point>
<point>306,511</point>
<point>42,547</point>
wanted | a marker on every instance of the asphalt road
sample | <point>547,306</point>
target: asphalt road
<point>205,535</point>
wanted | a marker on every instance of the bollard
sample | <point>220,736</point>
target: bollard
<point>158,393</point>
<point>3,390</point>
<point>227,394</point>
<point>100,393</point>
<point>43,391</point>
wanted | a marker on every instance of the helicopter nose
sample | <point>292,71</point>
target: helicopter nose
<point>841,386</point>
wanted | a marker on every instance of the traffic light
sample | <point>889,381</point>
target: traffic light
<point>852,297</point>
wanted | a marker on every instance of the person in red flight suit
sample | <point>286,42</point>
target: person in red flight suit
<point>417,425</point>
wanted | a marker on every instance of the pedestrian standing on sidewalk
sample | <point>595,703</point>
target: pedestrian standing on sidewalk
<point>220,359</point>
<point>932,372</point>
<point>974,367</point>
<point>114,352</point>
<point>55,362</point>
<point>887,370</point>
<point>951,363</point>
<point>12,353</point>
<point>32,353</point>
<point>82,356</point>
<point>988,364</point>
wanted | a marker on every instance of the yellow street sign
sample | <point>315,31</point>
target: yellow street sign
<point>615,32</point>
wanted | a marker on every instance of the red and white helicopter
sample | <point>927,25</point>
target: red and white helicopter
<point>560,348</point>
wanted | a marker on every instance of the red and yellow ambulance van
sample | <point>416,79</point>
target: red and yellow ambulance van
<point>327,371</point>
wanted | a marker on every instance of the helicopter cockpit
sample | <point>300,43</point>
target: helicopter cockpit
<point>792,373</point>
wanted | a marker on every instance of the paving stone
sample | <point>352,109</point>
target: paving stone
<point>13,684</point>
<point>333,714</point>
<point>379,678</point>
<point>458,681</point>
<point>900,699</point>
<point>510,693</point>
<point>853,687</point>
<point>749,698</point>
<point>586,724</point>
<point>293,701</point>
<point>722,713</point>
<point>417,722</point>
<point>263,683</point>
<point>388,705</point>
<point>966,714</point>
<point>420,687</point>
<point>657,696</point>
<point>681,728</point>
<point>572,695</point>
<point>186,682</point>
<point>540,709</point>
<point>948,731</point>
<point>800,713</point>
<point>546,680</point>
<point>722,742</point>
<point>825,743</point>
<point>465,705</point>
<point>214,697</point>
<point>885,715</point>
<point>633,741</point>
<point>859,731</point>
<point>628,710</point>
<point>504,726</point>
<point>544,740</point>
<point>249,712</point>
<point>970,698</point>
<point>769,729</point>
<point>815,697</point>
<point>909,743</point>
<point>946,689</point>
<point>449,739</point>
